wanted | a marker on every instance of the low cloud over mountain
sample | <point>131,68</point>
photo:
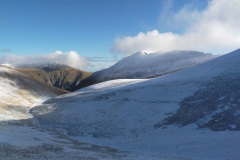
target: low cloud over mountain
<point>71,58</point>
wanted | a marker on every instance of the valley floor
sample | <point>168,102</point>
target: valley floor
<point>21,140</point>
<point>28,142</point>
<point>24,139</point>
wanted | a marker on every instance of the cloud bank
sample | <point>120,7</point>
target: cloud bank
<point>214,29</point>
<point>71,58</point>
<point>99,63</point>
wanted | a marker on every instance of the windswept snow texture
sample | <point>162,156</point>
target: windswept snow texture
<point>149,117</point>
<point>147,65</point>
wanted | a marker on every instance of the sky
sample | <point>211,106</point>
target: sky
<point>94,34</point>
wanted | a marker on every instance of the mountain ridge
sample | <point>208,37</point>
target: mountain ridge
<point>147,65</point>
<point>57,75</point>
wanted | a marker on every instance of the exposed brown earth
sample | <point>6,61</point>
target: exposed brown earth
<point>66,78</point>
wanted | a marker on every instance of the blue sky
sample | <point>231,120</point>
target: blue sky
<point>92,28</point>
<point>85,26</point>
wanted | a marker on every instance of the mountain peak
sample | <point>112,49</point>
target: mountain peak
<point>143,52</point>
<point>140,53</point>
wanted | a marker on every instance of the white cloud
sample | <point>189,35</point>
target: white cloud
<point>71,58</point>
<point>214,29</point>
<point>99,63</point>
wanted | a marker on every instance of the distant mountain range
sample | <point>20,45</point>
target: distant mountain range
<point>147,65</point>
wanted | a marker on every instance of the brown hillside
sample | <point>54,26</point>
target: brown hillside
<point>65,78</point>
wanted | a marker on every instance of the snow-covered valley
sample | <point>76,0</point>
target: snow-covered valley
<point>190,114</point>
<point>20,138</point>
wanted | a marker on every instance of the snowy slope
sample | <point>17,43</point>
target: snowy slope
<point>21,139</point>
<point>111,84</point>
<point>148,65</point>
<point>190,114</point>
<point>18,93</point>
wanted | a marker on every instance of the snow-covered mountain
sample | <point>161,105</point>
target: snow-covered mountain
<point>148,65</point>
<point>190,114</point>
<point>18,93</point>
